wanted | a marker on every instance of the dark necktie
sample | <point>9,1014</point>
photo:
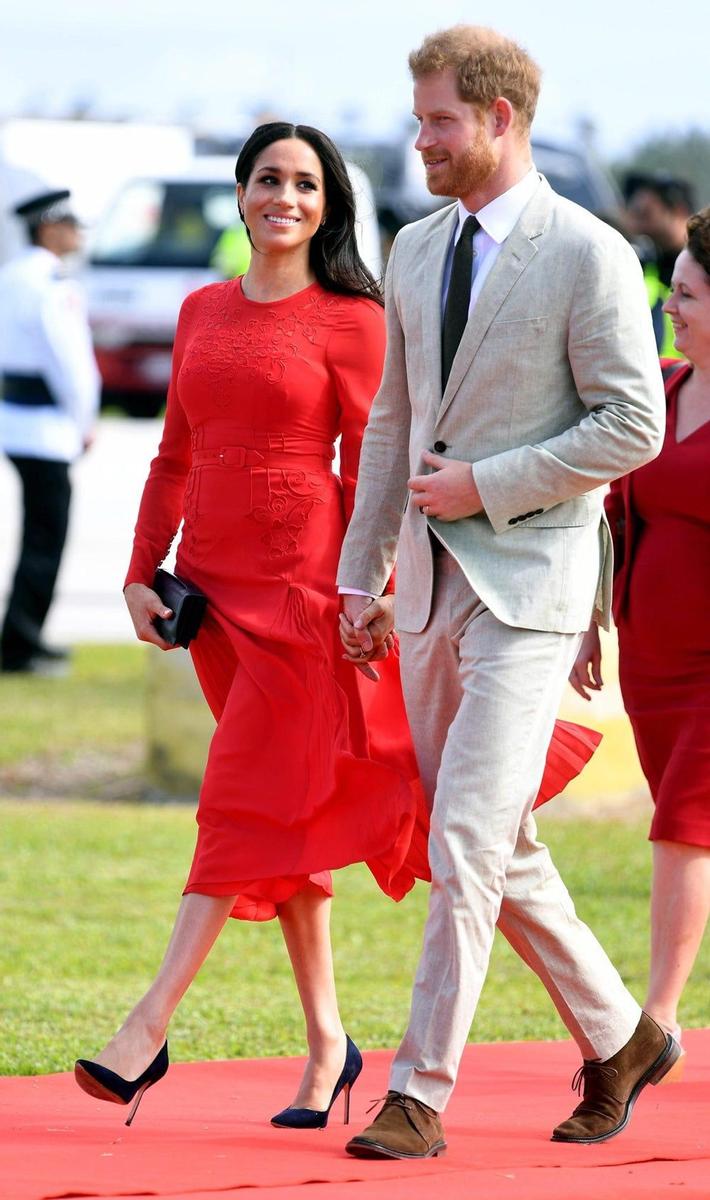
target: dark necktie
<point>458,298</point>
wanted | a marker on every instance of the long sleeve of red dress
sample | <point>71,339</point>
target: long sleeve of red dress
<point>161,505</point>
<point>355,354</point>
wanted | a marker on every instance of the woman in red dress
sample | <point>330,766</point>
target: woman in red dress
<point>310,767</point>
<point>660,520</point>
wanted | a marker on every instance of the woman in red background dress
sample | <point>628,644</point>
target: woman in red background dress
<point>310,767</point>
<point>660,519</point>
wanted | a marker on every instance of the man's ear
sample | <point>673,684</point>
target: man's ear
<point>503,115</point>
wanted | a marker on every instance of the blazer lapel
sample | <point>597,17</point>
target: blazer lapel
<point>432,281</point>
<point>519,249</point>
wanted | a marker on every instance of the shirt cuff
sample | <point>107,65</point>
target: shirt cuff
<point>343,591</point>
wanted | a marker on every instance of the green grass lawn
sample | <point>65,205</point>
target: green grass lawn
<point>98,705</point>
<point>88,896</point>
<point>88,891</point>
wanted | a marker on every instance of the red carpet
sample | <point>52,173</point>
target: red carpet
<point>203,1134</point>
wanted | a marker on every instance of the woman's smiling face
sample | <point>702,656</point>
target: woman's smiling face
<point>688,307</point>
<point>284,199</point>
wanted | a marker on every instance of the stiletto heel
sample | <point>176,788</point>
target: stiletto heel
<point>311,1118</point>
<point>136,1102</point>
<point>104,1084</point>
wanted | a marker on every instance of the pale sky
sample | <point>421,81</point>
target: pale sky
<point>633,66</point>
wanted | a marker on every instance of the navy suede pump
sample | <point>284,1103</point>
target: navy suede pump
<point>98,1081</point>
<point>311,1118</point>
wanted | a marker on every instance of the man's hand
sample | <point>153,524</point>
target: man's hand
<point>367,631</point>
<point>449,493</point>
<point>587,669</point>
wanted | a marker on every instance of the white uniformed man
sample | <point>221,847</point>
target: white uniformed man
<point>50,395</point>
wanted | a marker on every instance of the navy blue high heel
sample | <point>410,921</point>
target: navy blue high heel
<point>311,1118</point>
<point>98,1081</point>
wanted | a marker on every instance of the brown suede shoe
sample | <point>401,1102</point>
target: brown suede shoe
<point>404,1128</point>
<point>611,1088</point>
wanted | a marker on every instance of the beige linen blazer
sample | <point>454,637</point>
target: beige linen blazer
<point>555,390</point>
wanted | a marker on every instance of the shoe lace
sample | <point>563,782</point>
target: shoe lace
<point>589,1073</point>
<point>392,1098</point>
<point>596,1099</point>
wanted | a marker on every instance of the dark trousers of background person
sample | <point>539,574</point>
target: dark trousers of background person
<point>46,495</point>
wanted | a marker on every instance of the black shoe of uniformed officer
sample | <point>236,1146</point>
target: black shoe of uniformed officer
<point>47,661</point>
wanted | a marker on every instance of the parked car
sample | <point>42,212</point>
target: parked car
<point>162,237</point>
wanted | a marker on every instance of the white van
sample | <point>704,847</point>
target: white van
<point>159,239</point>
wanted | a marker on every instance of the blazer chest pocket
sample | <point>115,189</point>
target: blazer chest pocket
<point>580,511</point>
<point>521,334</point>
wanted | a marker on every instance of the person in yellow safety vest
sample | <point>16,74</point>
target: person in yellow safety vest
<point>658,293</point>
<point>232,252</point>
<point>658,207</point>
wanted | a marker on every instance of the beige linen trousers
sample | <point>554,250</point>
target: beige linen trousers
<point>554,391</point>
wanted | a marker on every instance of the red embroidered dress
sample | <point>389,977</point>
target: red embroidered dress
<point>664,639</point>
<point>310,766</point>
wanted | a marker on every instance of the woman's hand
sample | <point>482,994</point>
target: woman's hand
<point>587,669</point>
<point>145,605</point>
<point>367,631</point>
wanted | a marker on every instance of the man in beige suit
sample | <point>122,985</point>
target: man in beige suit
<point>521,376</point>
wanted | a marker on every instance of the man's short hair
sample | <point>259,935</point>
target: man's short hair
<point>673,193</point>
<point>487,65</point>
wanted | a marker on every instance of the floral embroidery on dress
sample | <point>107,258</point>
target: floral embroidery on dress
<point>189,510</point>
<point>260,348</point>
<point>286,513</point>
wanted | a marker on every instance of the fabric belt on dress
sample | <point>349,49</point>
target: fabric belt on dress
<point>30,391</point>
<point>268,450</point>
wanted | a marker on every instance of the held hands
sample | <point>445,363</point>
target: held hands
<point>449,493</point>
<point>587,669</point>
<point>145,605</point>
<point>367,631</point>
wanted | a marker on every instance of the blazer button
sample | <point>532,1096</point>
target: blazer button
<point>538,512</point>
<point>440,447</point>
<point>513,520</point>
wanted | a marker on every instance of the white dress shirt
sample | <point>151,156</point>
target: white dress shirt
<point>497,220</point>
<point>44,331</point>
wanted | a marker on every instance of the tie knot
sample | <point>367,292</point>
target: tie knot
<point>470,227</point>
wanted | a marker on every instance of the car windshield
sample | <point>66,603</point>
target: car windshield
<point>159,224</point>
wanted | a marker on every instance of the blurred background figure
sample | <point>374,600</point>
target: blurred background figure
<point>50,399</point>
<point>660,521</point>
<point>658,207</point>
<point>232,253</point>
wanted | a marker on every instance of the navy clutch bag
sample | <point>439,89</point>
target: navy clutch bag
<point>187,603</point>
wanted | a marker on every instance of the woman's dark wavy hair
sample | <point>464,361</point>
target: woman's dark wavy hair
<point>334,255</point>
<point>699,238</point>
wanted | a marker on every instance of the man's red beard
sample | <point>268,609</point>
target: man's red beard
<point>465,174</point>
